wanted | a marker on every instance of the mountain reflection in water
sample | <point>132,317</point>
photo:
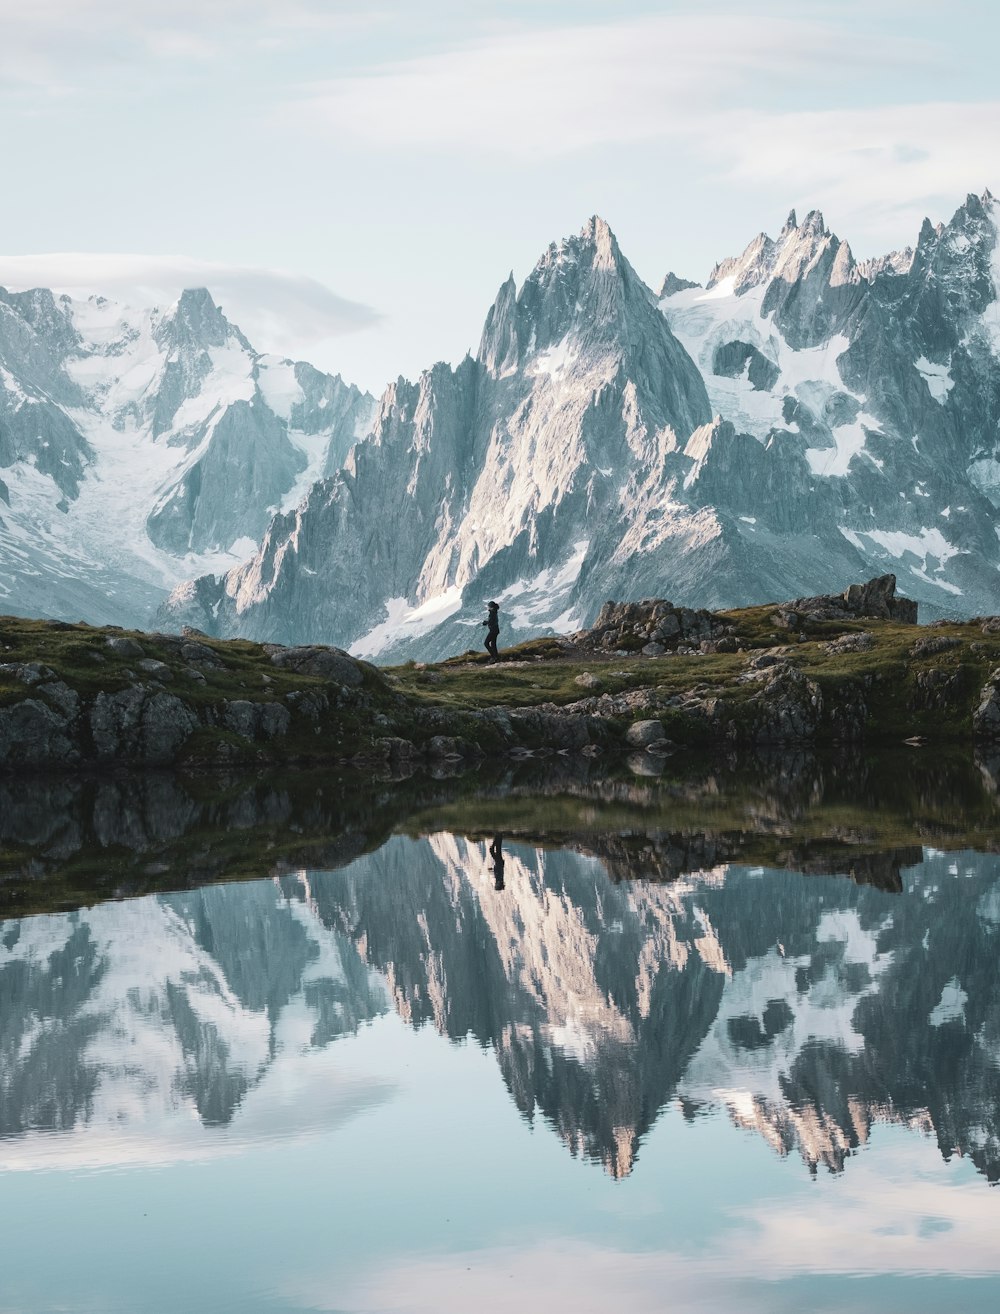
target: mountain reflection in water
<point>808,1007</point>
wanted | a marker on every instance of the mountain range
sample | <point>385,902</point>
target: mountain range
<point>800,421</point>
<point>139,446</point>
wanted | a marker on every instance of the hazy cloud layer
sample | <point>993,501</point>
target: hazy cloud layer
<point>278,311</point>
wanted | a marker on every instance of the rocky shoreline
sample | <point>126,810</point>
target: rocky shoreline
<point>647,679</point>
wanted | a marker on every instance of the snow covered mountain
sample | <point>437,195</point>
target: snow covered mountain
<point>169,1026</point>
<point>800,422</point>
<point>140,446</point>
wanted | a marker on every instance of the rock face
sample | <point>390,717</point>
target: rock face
<point>132,441</point>
<point>652,624</point>
<point>876,599</point>
<point>480,479</point>
<point>801,419</point>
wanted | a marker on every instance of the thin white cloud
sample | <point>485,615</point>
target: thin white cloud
<point>543,93</point>
<point>717,88</point>
<point>278,311</point>
<point>880,167</point>
<point>897,1211</point>
<point>53,44</point>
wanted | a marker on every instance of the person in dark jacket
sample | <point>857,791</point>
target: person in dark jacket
<point>496,853</point>
<point>492,623</point>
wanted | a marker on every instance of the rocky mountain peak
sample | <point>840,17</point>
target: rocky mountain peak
<point>582,288</point>
<point>813,225</point>
<point>596,233</point>
<point>797,249</point>
<point>195,322</point>
<point>673,283</point>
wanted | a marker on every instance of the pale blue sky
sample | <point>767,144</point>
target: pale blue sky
<point>404,155</point>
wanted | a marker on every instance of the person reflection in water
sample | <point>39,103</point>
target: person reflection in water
<point>492,623</point>
<point>496,853</point>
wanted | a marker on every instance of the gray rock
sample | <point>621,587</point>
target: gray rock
<point>641,734</point>
<point>787,708</point>
<point>122,646</point>
<point>273,720</point>
<point>158,670</point>
<point>933,645</point>
<point>198,655</point>
<point>67,700</point>
<point>310,704</point>
<point>861,642</point>
<point>166,724</point>
<point>327,663</point>
<point>241,717</point>
<point>114,722</point>
<point>587,680</point>
<point>255,720</point>
<point>34,734</point>
<point>27,672</point>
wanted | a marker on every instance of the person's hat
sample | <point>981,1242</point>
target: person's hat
<point>494,604</point>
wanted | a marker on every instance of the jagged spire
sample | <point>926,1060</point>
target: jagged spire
<point>813,223</point>
<point>498,347</point>
<point>791,223</point>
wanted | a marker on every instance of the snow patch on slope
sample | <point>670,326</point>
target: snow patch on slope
<point>937,377</point>
<point>531,603</point>
<point>850,439</point>
<point>404,621</point>
<point>704,321</point>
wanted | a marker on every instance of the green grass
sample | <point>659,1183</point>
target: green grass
<point>888,670</point>
<point>396,702</point>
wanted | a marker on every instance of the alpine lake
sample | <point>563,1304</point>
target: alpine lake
<point>715,1035</point>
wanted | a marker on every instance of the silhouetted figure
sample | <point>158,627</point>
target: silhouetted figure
<point>496,853</point>
<point>492,623</point>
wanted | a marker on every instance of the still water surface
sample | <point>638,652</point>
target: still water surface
<point>394,1086</point>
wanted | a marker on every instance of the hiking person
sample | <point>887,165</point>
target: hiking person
<point>496,853</point>
<point>492,623</point>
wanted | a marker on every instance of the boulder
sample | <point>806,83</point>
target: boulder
<point>196,654</point>
<point>326,663</point>
<point>158,670</point>
<point>27,672</point>
<point>34,734</point>
<point>122,646</point>
<point>787,708</point>
<point>134,725</point>
<point>641,734</point>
